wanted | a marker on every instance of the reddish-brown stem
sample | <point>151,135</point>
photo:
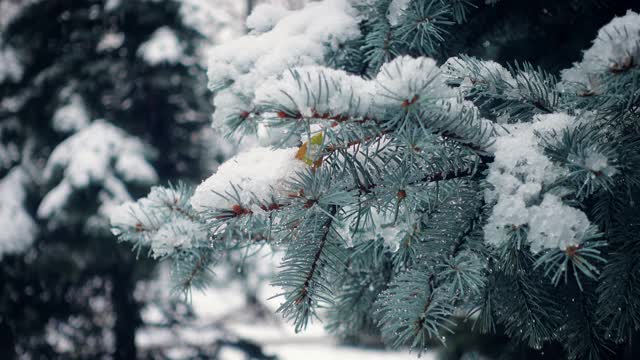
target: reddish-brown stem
<point>316,259</point>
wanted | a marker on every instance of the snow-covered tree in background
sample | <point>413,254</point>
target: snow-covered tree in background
<point>99,100</point>
<point>412,191</point>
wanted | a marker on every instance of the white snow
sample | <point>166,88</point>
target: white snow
<point>18,228</point>
<point>518,151</point>
<point>163,46</point>
<point>404,77</point>
<point>556,225</point>
<point>147,211</point>
<point>133,168</point>
<point>518,174</point>
<point>616,41</point>
<point>55,200</point>
<point>161,221</point>
<point>333,91</point>
<point>598,162</point>
<point>72,116</point>
<point>380,225</point>
<point>257,175</point>
<point>594,161</point>
<point>455,67</point>
<point>616,46</point>
<point>100,155</point>
<point>180,232</point>
<point>396,11</point>
<point>265,16</point>
<point>313,91</point>
<point>216,20</point>
<point>226,306</point>
<point>299,38</point>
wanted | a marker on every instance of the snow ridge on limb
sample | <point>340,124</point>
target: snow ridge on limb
<point>299,38</point>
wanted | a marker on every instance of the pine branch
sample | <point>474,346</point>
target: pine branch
<point>316,258</point>
<point>307,267</point>
<point>430,304</point>
<point>238,211</point>
<point>197,269</point>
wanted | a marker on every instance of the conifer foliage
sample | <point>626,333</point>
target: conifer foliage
<point>410,194</point>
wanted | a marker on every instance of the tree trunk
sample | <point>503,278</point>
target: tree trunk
<point>126,311</point>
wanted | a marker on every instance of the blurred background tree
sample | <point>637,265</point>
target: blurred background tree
<point>107,97</point>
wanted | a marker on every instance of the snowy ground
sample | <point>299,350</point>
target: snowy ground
<point>222,313</point>
<point>281,340</point>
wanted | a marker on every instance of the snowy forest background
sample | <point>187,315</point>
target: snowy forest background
<point>102,99</point>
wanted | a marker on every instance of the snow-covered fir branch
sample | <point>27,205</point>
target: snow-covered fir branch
<point>407,194</point>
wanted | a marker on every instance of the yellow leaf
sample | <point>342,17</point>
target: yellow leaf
<point>303,151</point>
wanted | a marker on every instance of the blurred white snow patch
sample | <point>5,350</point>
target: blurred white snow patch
<point>396,11</point>
<point>222,312</point>
<point>88,156</point>
<point>331,351</point>
<point>9,150</point>
<point>111,4</point>
<point>163,46</point>
<point>265,16</point>
<point>110,41</point>
<point>10,9</point>
<point>276,336</point>
<point>56,338</point>
<point>217,20</point>
<point>99,155</point>
<point>18,230</point>
<point>10,67</point>
<point>72,116</point>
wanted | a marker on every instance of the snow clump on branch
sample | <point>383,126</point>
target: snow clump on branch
<point>616,49</point>
<point>518,175</point>
<point>250,178</point>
